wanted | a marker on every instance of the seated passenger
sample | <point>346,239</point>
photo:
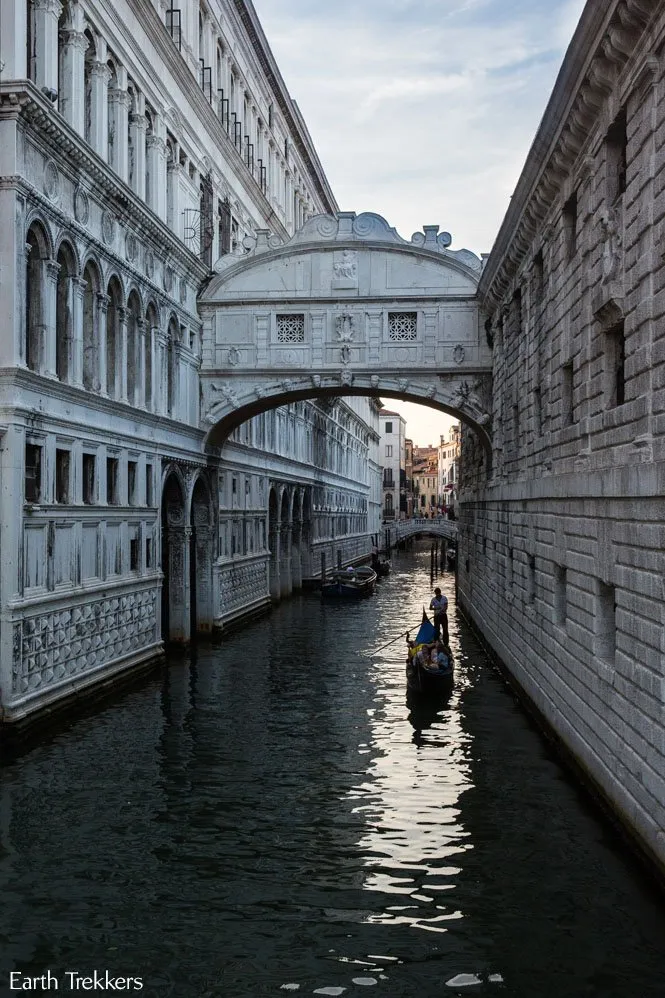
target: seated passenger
<point>444,657</point>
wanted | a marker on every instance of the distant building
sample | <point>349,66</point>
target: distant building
<point>393,455</point>
<point>449,451</point>
<point>408,469</point>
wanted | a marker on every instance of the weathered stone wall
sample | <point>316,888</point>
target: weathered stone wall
<point>562,550</point>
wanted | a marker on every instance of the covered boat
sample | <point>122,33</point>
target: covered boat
<point>421,677</point>
<point>349,584</point>
<point>381,566</point>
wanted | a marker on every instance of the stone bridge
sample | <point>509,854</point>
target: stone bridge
<point>439,527</point>
<point>345,307</point>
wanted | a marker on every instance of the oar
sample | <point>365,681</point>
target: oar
<point>392,642</point>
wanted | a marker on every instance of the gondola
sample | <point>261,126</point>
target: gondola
<point>381,566</point>
<point>451,556</point>
<point>350,584</point>
<point>427,682</point>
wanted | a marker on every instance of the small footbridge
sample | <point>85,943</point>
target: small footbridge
<point>435,527</point>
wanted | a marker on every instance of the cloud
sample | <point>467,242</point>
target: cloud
<point>422,110</point>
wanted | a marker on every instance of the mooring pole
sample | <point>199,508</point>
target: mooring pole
<point>323,568</point>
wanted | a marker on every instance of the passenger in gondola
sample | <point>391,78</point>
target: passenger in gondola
<point>444,658</point>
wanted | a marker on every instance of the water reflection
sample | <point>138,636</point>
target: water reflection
<point>277,815</point>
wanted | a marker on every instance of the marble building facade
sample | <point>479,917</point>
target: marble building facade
<point>141,143</point>
<point>562,540</point>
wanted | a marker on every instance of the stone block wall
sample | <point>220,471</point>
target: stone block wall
<point>562,549</point>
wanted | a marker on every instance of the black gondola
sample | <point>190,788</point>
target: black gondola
<point>451,556</point>
<point>419,679</point>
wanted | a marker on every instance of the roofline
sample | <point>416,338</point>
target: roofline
<point>287,105</point>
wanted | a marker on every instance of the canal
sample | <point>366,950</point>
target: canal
<point>272,818</point>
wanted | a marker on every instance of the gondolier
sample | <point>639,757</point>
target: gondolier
<point>439,606</point>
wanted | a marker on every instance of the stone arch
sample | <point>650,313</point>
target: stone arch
<point>150,346</point>
<point>38,253</point>
<point>175,558</point>
<point>201,556</point>
<point>285,533</point>
<point>65,306</point>
<point>134,358</point>
<point>91,307</point>
<point>273,542</point>
<point>114,323</point>
<point>172,342</point>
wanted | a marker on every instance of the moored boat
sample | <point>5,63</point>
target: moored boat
<point>350,584</point>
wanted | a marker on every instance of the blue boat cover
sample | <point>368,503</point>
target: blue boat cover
<point>426,633</point>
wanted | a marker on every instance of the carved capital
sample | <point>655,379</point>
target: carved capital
<point>102,302</point>
<point>53,269</point>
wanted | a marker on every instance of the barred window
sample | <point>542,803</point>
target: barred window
<point>402,325</point>
<point>291,328</point>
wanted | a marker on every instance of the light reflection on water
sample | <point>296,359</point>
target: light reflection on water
<point>288,822</point>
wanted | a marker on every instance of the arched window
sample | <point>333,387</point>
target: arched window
<point>113,340</point>
<point>113,145</point>
<point>133,341</point>
<point>37,254</point>
<point>149,180</point>
<point>90,53</point>
<point>64,313</point>
<point>131,148</point>
<point>172,367</point>
<point>151,323</point>
<point>90,329</point>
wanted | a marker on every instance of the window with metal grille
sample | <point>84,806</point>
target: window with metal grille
<point>291,328</point>
<point>33,473</point>
<point>173,24</point>
<point>402,325</point>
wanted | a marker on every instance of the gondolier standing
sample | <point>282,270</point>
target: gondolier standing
<point>439,605</point>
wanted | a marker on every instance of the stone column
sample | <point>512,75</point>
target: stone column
<point>47,348</point>
<point>159,372</point>
<point>78,287</point>
<point>99,109</point>
<point>274,545</point>
<point>153,344</point>
<point>286,583</point>
<point>137,129</point>
<point>296,554</point>
<point>46,14</point>
<point>102,315</point>
<point>156,160</point>
<point>121,356</point>
<point>71,96</point>
<point>173,182</point>
<point>119,101</point>
<point>139,393</point>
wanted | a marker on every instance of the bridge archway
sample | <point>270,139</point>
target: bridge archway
<point>345,307</point>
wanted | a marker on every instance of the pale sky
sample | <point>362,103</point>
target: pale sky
<point>422,110</point>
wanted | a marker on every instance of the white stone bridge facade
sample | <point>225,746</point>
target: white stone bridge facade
<point>345,307</point>
<point>437,527</point>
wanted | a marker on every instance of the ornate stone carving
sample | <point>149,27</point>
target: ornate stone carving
<point>81,206</point>
<point>430,391</point>
<point>403,384</point>
<point>287,385</point>
<point>227,392</point>
<point>53,646</point>
<point>466,397</point>
<point>169,276</point>
<point>149,264</point>
<point>458,354</point>
<point>346,269</point>
<point>374,381</point>
<point>346,378</point>
<point>51,180</point>
<point>609,222</point>
<point>108,227</point>
<point>183,290</point>
<point>233,357</point>
<point>131,246</point>
<point>316,380</point>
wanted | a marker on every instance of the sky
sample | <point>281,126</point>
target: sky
<point>422,110</point>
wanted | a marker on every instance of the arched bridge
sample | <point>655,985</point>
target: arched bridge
<point>345,307</point>
<point>438,526</point>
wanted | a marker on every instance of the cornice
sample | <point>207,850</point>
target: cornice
<point>604,41</point>
<point>55,132</point>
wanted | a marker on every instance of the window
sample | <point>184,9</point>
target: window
<point>131,482</point>
<point>33,473</point>
<point>570,226</point>
<point>89,484</point>
<point>148,553</point>
<point>537,412</point>
<point>389,450</point>
<point>112,481</point>
<point>531,593</point>
<point>62,465</point>
<point>616,148</point>
<point>606,622</point>
<point>148,486</point>
<point>291,328</point>
<point>402,325</point>
<point>615,359</point>
<point>133,548</point>
<point>538,280</point>
<point>389,427</point>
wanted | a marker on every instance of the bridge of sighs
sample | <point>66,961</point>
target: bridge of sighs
<point>345,307</point>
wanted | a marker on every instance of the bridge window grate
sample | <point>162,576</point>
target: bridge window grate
<point>402,325</point>
<point>291,328</point>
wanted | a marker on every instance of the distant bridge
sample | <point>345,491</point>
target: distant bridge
<point>438,527</point>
